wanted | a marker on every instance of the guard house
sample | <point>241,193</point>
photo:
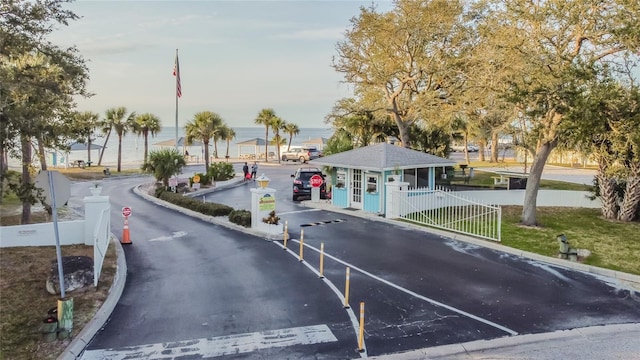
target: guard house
<point>359,176</point>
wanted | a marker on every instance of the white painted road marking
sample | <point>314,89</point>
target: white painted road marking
<point>297,211</point>
<point>218,346</point>
<point>177,234</point>
<point>412,293</point>
<point>352,316</point>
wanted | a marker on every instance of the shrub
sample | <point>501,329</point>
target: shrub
<point>241,217</point>
<point>211,209</point>
<point>205,179</point>
<point>272,219</point>
<point>220,171</point>
<point>164,163</point>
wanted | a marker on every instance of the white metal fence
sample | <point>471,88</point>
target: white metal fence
<point>448,210</point>
<point>101,237</point>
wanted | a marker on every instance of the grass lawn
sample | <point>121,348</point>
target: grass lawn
<point>613,245</point>
<point>24,301</point>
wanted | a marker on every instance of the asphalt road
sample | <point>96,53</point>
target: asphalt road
<point>190,281</point>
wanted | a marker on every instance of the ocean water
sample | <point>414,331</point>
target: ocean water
<point>133,145</point>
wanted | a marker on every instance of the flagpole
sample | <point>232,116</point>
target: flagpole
<point>177,84</point>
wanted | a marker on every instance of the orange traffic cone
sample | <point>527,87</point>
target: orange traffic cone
<point>125,232</point>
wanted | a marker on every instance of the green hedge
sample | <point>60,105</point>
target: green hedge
<point>206,208</point>
<point>241,217</point>
<point>220,171</point>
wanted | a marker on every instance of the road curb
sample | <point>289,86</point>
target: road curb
<point>618,277</point>
<point>474,349</point>
<point>78,344</point>
<point>218,220</point>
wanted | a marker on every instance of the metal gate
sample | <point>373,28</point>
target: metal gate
<point>445,209</point>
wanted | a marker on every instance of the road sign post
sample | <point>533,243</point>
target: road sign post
<point>315,181</point>
<point>56,191</point>
<point>126,238</point>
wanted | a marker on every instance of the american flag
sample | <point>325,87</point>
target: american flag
<point>176,73</point>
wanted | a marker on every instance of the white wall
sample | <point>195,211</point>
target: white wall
<point>71,232</point>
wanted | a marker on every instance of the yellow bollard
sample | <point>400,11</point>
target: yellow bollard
<point>321,260</point>
<point>301,245</point>
<point>286,234</point>
<point>361,334</point>
<point>346,290</point>
<point>65,318</point>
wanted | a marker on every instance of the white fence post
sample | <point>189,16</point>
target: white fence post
<point>392,203</point>
<point>93,208</point>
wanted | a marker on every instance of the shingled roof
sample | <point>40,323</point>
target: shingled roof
<point>381,157</point>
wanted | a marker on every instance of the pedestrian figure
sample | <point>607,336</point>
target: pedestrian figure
<point>245,171</point>
<point>254,170</point>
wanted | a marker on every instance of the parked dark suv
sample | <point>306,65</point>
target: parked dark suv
<point>301,185</point>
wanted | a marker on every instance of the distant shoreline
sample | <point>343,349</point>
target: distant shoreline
<point>133,145</point>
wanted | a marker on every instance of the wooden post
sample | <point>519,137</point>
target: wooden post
<point>286,234</point>
<point>321,260</point>
<point>302,245</point>
<point>346,289</point>
<point>361,333</point>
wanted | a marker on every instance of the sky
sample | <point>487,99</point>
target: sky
<point>236,57</point>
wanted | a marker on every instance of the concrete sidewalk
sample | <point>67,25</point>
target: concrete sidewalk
<point>597,342</point>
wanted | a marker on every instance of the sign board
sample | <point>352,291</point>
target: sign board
<point>61,187</point>
<point>126,211</point>
<point>267,203</point>
<point>316,180</point>
<point>196,178</point>
<point>195,185</point>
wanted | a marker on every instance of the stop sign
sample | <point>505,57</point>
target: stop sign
<point>316,180</point>
<point>126,211</point>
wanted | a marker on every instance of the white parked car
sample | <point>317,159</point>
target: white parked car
<point>460,148</point>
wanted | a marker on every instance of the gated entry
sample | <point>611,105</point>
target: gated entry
<point>445,209</point>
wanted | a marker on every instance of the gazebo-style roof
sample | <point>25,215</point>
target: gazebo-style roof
<point>257,144</point>
<point>381,157</point>
<point>319,143</point>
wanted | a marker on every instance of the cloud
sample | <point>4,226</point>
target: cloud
<point>333,33</point>
<point>163,21</point>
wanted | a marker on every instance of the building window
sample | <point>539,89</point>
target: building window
<point>417,178</point>
<point>341,175</point>
<point>372,183</point>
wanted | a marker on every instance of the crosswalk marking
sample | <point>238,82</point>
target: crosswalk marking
<point>218,346</point>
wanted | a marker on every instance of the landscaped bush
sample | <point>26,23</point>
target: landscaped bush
<point>220,171</point>
<point>241,217</point>
<point>211,209</point>
<point>205,179</point>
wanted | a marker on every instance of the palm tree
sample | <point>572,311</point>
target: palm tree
<point>122,126</point>
<point>164,163</point>
<point>265,116</point>
<point>227,134</point>
<point>276,125</point>
<point>86,123</point>
<point>203,127</point>
<point>217,136</point>
<point>146,124</point>
<point>291,129</point>
<point>106,127</point>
